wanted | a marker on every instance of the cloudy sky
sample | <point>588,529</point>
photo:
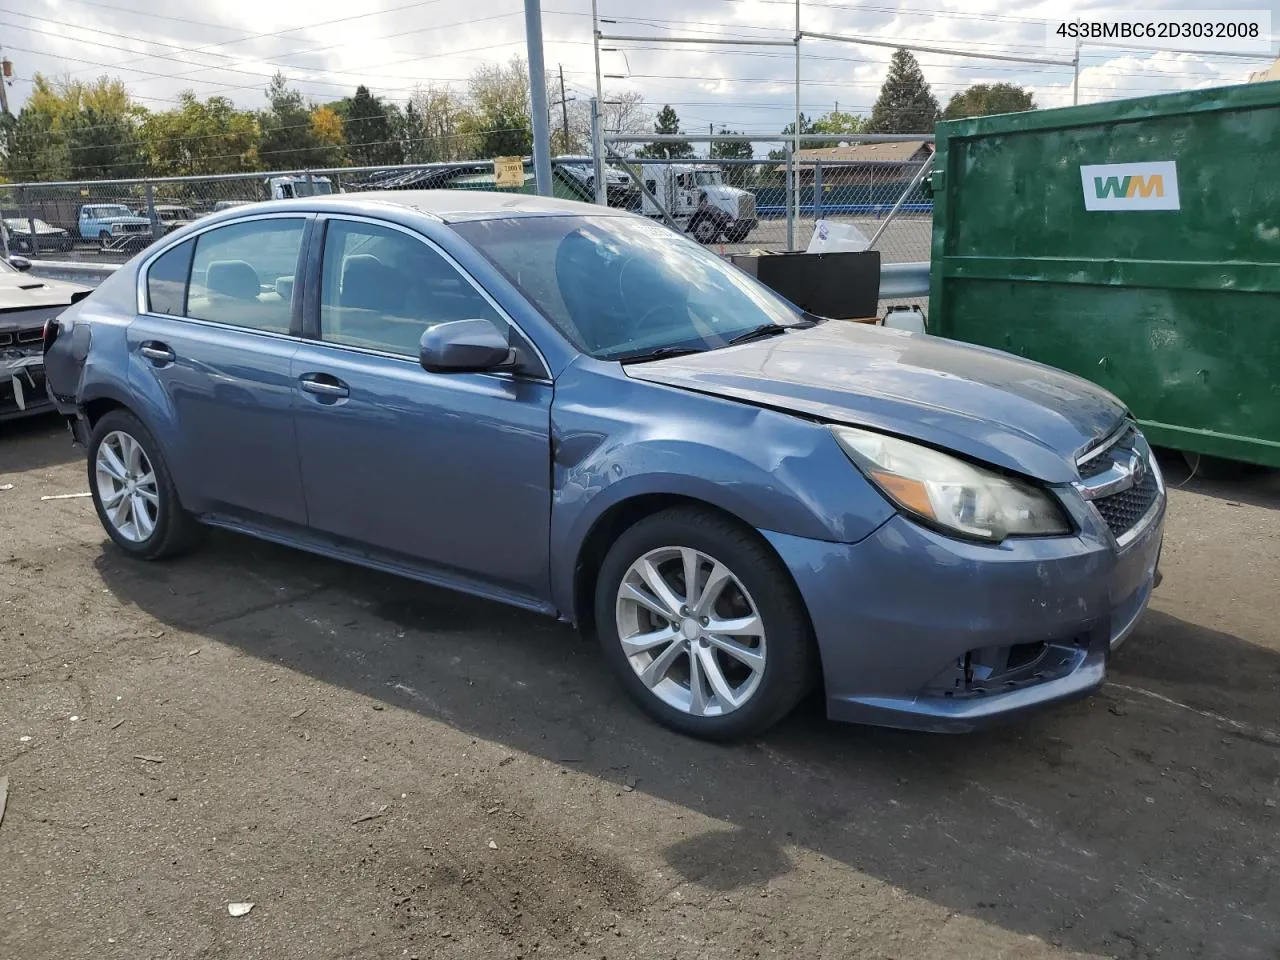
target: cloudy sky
<point>326,47</point>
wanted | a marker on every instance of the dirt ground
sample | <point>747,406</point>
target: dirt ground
<point>387,770</point>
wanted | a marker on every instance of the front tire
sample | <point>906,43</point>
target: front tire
<point>705,231</point>
<point>703,625</point>
<point>104,238</point>
<point>133,491</point>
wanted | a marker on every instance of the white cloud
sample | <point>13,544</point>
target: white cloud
<point>221,48</point>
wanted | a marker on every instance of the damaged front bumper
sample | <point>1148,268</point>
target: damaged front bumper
<point>22,387</point>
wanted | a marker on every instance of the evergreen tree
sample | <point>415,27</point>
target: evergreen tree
<point>667,124</point>
<point>102,146</point>
<point>731,149</point>
<point>288,139</point>
<point>368,130</point>
<point>906,104</point>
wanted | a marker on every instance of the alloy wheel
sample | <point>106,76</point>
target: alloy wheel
<point>127,486</point>
<point>691,631</point>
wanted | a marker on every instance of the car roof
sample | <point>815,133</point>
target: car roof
<point>457,206</point>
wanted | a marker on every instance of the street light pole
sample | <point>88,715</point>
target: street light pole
<point>538,95</point>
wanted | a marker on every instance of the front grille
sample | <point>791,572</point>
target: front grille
<point>1123,510</point>
<point>131,228</point>
<point>1104,461</point>
<point>26,335</point>
<point>747,207</point>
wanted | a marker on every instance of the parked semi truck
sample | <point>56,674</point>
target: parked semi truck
<point>699,200</point>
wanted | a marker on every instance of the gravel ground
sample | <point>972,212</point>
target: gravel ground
<point>386,770</point>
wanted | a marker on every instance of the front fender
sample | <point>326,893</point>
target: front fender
<point>616,439</point>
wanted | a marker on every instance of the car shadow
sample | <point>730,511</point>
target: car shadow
<point>1093,826</point>
<point>1245,483</point>
<point>35,443</point>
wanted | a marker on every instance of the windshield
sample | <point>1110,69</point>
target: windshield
<point>707,178</point>
<point>621,286</point>
<point>102,212</point>
<point>315,188</point>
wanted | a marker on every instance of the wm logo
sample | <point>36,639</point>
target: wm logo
<point>1128,187</point>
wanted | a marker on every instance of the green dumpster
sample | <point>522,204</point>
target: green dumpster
<point>1136,243</point>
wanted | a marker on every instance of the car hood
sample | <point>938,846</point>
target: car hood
<point>21,292</point>
<point>984,404</point>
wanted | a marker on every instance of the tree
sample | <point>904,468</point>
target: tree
<point>668,124</point>
<point>38,141</point>
<point>412,134</point>
<point>981,100</point>
<point>102,146</point>
<point>502,119</point>
<point>327,130</point>
<point>730,149</point>
<point>288,140</point>
<point>845,125</point>
<point>906,104</point>
<point>200,137</point>
<point>444,117</point>
<point>34,150</point>
<point>368,127</point>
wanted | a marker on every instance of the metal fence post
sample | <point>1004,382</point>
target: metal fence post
<point>790,197</point>
<point>597,155</point>
<point>157,228</point>
<point>33,238</point>
<point>817,190</point>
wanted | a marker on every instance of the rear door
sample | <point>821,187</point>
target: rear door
<point>451,471</point>
<point>216,342</point>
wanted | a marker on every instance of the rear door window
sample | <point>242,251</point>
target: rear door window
<point>243,274</point>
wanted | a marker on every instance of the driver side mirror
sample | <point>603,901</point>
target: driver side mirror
<point>21,264</point>
<point>465,346</point>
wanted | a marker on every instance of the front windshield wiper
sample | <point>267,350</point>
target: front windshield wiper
<point>758,333</point>
<point>658,353</point>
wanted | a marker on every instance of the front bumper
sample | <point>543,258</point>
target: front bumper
<point>921,631</point>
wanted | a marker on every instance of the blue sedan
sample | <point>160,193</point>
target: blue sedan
<point>579,412</point>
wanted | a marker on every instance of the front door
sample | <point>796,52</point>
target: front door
<point>215,348</point>
<point>450,471</point>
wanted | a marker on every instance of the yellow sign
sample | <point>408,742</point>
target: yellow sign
<point>508,172</point>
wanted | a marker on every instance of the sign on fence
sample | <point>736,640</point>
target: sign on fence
<point>508,172</point>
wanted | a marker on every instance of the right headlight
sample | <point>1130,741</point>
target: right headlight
<point>951,493</point>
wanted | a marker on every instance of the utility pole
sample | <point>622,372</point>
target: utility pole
<point>538,94</point>
<point>564,112</point>
<point>6,71</point>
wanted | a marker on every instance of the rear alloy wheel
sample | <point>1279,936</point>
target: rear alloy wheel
<point>703,625</point>
<point>132,490</point>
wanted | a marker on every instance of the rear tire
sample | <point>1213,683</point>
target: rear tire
<point>749,677</point>
<point>133,491</point>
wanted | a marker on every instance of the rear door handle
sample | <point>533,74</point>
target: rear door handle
<point>324,386</point>
<point>157,352</point>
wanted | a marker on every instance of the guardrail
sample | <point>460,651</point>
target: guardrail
<point>88,274</point>
<point>897,280</point>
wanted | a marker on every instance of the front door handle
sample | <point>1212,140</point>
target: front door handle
<point>324,386</point>
<point>157,352</point>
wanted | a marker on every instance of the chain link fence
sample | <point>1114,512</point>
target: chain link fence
<point>733,205</point>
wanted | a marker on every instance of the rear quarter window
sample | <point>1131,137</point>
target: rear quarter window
<point>167,281</point>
